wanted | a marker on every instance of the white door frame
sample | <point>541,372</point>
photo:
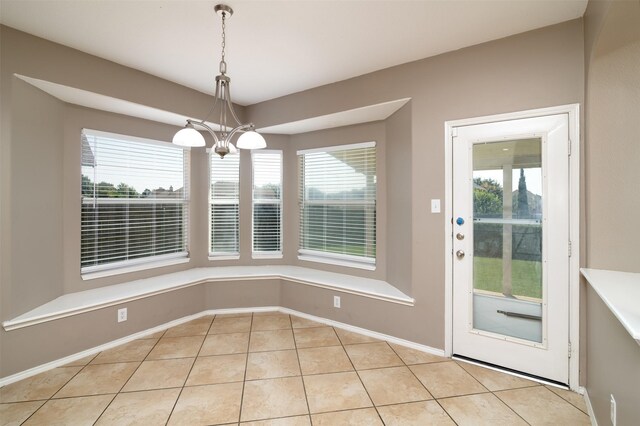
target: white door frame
<point>573,111</point>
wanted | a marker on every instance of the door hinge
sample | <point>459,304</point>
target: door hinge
<point>569,349</point>
<point>569,147</point>
<point>570,248</point>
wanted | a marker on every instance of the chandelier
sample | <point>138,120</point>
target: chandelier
<point>249,138</point>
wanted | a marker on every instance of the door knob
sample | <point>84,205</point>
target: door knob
<point>460,254</point>
<point>460,236</point>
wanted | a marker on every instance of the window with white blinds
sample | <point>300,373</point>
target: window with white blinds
<point>267,203</point>
<point>224,205</point>
<point>135,201</point>
<point>338,205</point>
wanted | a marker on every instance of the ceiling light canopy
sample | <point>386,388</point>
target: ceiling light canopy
<point>249,138</point>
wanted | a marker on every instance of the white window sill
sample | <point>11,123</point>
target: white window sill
<point>224,257</point>
<point>134,268</point>
<point>266,255</point>
<point>90,300</point>
<point>337,262</point>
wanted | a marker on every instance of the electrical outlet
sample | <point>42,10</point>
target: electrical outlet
<point>336,301</point>
<point>613,410</point>
<point>122,314</point>
<point>435,206</point>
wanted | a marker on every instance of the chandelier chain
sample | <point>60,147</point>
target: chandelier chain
<point>223,64</point>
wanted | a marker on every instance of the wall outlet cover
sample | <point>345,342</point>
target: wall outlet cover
<point>435,206</point>
<point>336,301</point>
<point>122,314</point>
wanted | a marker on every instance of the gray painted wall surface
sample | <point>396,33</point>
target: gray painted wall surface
<point>399,184</point>
<point>613,365</point>
<point>35,179</point>
<point>613,140</point>
<point>36,345</point>
<point>535,69</point>
<point>612,157</point>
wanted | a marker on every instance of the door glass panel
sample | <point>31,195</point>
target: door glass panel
<point>507,238</point>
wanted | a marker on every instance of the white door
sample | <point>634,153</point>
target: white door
<point>511,244</point>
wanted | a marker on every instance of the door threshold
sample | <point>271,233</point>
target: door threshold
<point>511,372</point>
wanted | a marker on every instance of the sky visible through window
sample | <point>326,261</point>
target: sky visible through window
<point>339,168</point>
<point>141,166</point>
<point>269,174</point>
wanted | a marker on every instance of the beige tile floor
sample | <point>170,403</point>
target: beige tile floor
<point>279,370</point>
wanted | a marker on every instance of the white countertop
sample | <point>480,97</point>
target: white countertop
<point>620,291</point>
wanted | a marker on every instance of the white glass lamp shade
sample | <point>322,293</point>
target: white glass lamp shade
<point>251,140</point>
<point>188,137</point>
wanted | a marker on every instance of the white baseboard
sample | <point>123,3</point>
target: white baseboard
<point>592,415</point>
<point>366,332</point>
<point>92,351</point>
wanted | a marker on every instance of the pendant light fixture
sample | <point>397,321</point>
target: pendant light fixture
<point>249,138</point>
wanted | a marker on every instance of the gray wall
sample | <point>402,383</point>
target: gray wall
<point>39,143</point>
<point>613,139</point>
<point>37,122</point>
<point>35,345</point>
<point>399,225</point>
<point>613,365</point>
<point>536,69</point>
<point>612,157</point>
<point>531,70</point>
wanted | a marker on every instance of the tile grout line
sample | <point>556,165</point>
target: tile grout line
<point>79,396</point>
<point>246,365</point>
<point>190,369</point>
<point>341,344</point>
<point>509,407</point>
<point>56,392</point>
<point>546,389</point>
<point>304,387</point>
<point>105,408</point>
<point>490,391</point>
<point>359,378</point>
<point>534,385</point>
<point>479,393</point>
<point>423,385</point>
<point>419,381</point>
<point>565,399</point>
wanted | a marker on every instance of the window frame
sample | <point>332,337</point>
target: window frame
<point>223,255</point>
<point>326,257</point>
<point>146,262</point>
<point>267,254</point>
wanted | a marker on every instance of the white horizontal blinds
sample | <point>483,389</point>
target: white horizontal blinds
<point>224,204</point>
<point>338,202</point>
<point>267,202</point>
<point>135,201</point>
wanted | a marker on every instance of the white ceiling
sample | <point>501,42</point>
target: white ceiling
<point>275,48</point>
